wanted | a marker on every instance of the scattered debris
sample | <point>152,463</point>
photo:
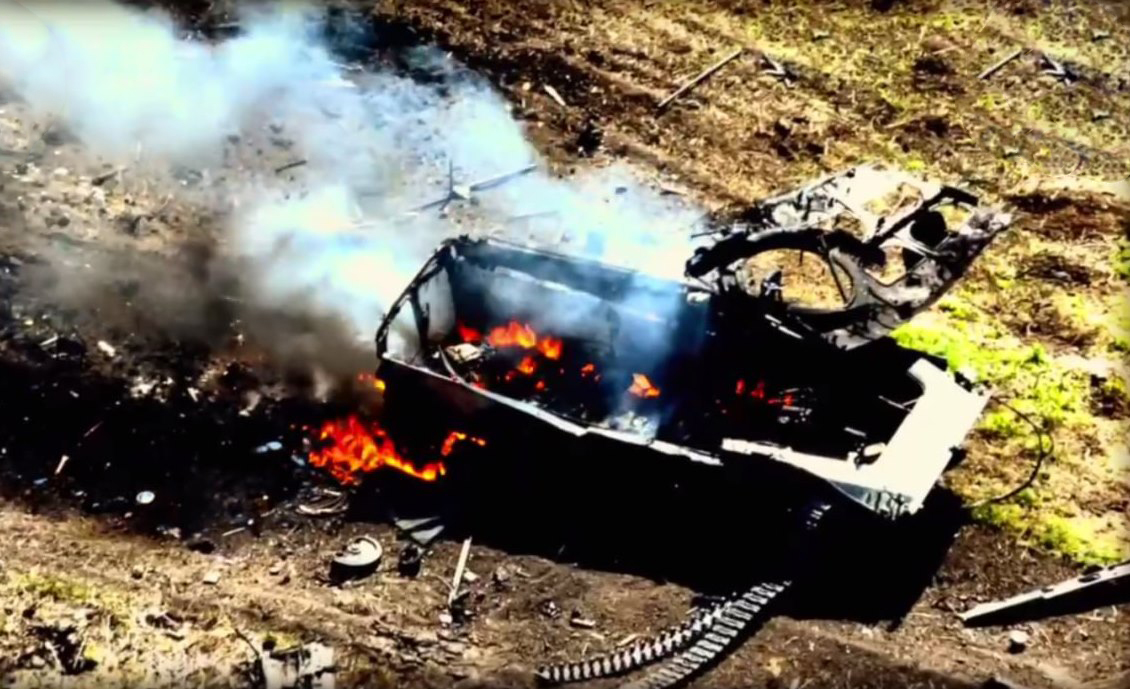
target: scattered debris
<point>107,176</point>
<point>107,349</point>
<point>211,577</point>
<point>421,530</point>
<point>358,559</point>
<point>65,646</point>
<point>145,497</point>
<point>272,446</point>
<point>776,69</point>
<point>290,166</point>
<point>555,95</point>
<point>463,192</point>
<point>464,553</point>
<point>62,464</point>
<point>1059,70</point>
<point>310,666</point>
<point>410,561</point>
<point>1100,588</point>
<point>698,79</point>
<point>550,609</point>
<point>580,621</point>
<point>1018,641</point>
<point>328,503</point>
<point>999,64</point>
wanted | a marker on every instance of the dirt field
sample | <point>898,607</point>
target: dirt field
<point>1042,317</point>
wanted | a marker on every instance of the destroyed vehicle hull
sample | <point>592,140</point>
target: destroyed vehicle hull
<point>625,364</point>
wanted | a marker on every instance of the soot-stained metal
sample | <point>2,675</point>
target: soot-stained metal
<point>718,369</point>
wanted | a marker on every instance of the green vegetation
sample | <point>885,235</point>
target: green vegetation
<point>57,588</point>
<point>1122,259</point>
<point>1025,373</point>
<point>1059,534</point>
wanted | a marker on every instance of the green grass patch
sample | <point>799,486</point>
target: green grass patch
<point>55,587</point>
<point>1026,375</point>
<point>1121,259</point>
<point>1050,532</point>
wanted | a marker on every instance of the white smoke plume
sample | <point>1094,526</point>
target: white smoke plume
<point>335,242</point>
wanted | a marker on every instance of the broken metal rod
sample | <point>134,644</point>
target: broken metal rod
<point>456,191</point>
<point>459,567</point>
<point>1108,586</point>
<point>993,69</point>
<point>702,76</point>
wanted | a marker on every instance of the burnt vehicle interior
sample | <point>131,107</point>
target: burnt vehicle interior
<point>716,369</point>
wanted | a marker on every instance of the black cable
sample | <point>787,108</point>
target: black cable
<point>1043,454</point>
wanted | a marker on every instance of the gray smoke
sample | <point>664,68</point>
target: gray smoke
<point>335,242</point>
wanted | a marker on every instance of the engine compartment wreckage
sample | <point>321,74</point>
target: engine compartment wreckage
<point>717,369</point>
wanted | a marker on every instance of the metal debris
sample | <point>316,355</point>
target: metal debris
<point>555,95</point>
<point>310,666</point>
<point>410,561</point>
<point>463,192</point>
<point>550,609</point>
<point>580,621</point>
<point>999,64</point>
<point>422,530</point>
<point>358,559</point>
<point>1097,589</point>
<point>289,166</point>
<point>1059,70</point>
<point>327,503</point>
<point>1018,641</point>
<point>697,79</point>
<point>457,579</point>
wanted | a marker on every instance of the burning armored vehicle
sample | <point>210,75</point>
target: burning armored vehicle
<point>718,372</point>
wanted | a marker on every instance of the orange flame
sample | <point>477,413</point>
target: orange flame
<point>551,347</point>
<point>588,369</point>
<point>377,383</point>
<point>642,387</point>
<point>469,334</point>
<point>527,366</point>
<point>355,448</point>
<point>456,437</point>
<point>513,334</point>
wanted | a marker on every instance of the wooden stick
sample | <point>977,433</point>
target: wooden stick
<point>459,567</point>
<point>1003,61</point>
<point>703,76</point>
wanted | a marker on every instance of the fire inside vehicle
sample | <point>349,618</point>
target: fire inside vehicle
<point>721,371</point>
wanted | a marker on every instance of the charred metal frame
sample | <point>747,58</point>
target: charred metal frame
<point>894,483</point>
<point>934,255</point>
